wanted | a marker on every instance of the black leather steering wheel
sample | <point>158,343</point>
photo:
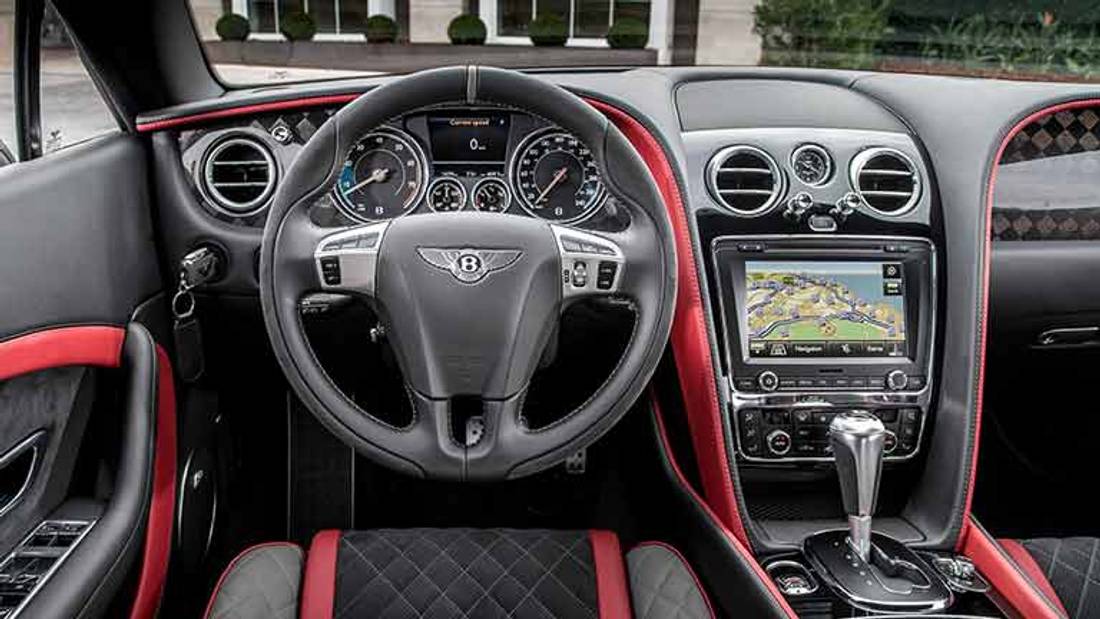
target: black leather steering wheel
<point>469,300</point>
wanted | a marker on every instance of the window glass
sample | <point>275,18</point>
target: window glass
<point>593,18</point>
<point>7,78</point>
<point>353,16</point>
<point>72,108</point>
<point>514,15</point>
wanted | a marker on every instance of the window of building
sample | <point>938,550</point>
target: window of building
<point>586,18</point>
<point>331,16</point>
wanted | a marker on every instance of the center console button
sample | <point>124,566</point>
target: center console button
<point>889,443</point>
<point>787,382</point>
<point>779,442</point>
<point>802,417</point>
<point>888,415</point>
<point>767,380</point>
<point>744,384</point>
<point>897,380</point>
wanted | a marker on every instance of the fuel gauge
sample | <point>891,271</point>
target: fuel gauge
<point>446,195</point>
<point>491,195</point>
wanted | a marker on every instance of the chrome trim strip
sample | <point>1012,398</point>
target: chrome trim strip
<point>88,525</point>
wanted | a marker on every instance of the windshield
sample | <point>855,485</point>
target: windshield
<point>263,41</point>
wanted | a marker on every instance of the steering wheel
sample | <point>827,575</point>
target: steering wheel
<point>469,300</point>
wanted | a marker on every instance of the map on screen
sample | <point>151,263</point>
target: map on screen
<point>825,309</point>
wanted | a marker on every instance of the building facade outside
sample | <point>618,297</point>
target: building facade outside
<point>719,31</point>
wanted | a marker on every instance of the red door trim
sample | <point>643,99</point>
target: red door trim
<point>99,346</point>
<point>690,335</point>
<point>244,110</point>
<point>158,530</point>
<point>738,546</point>
<point>319,582</point>
<point>987,261</point>
<point>611,590</point>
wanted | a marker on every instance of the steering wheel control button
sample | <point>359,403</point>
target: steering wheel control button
<point>330,271</point>
<point>767,380</point>
<point>779,442</point>
<point>897,380</point>
<point>580,274</point>
<point>605,275</point>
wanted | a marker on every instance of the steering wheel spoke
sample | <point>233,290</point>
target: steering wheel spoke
<point>347,261</point>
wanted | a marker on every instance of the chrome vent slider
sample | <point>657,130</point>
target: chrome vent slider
<point>886,180</point>
<point>239,175</point>
<point>745,180</point>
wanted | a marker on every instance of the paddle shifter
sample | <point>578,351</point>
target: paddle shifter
<point>857,438</point>
<point>871,571</point>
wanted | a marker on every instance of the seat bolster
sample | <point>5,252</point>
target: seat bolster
<point>663,585</point>
<point>262,582</point>
<point>1023,560</point>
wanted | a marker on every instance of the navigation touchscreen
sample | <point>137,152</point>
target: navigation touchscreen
<point>824,309</point>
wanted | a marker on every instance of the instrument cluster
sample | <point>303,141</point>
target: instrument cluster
<point>490,160</point>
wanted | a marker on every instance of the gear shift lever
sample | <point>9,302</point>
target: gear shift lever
<point>857,439</point>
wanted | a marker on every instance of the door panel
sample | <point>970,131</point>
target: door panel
<point>77,257</point>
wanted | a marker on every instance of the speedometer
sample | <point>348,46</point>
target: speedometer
<point>383,176</point>
<point>555,177</point>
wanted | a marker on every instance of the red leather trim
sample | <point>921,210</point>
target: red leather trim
<point>1012,585</point>
<point>319,583</point>
<point>690,335</point>
<point>611,588</point>
<point>738,546</point>
<point>158,530</point>
<point>244,110</point>
<point>687,566</point>
<point>229,568</point>
<point>1031,569</point>
<point>87,345</point>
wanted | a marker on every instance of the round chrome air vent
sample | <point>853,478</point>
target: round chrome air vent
<point>886,180</point>
<point>238,175</point>
<point>745,179</point>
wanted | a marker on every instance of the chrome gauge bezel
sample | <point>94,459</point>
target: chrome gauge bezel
<point>411,143</point>
<point>440,180</point>
<point>492,180</point>
<point>517,195</point>
<point>830,167</point>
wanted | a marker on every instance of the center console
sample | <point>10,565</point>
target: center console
<point>812,326</point>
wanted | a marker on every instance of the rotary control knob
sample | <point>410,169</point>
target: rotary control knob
<point>897,380</point>
<point>779,442</point>
<point>889,443</point>
<point>767,381</point>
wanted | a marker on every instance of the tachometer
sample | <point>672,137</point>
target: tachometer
<point>555,177</point>
<point>383,176</point>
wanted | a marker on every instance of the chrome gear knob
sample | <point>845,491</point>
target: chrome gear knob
<point>857,439</point>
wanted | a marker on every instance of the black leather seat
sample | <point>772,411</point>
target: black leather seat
<point>443,573</point>
<point>1066,571</point>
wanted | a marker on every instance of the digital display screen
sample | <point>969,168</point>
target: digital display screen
<point>469,141</point>
<point>824,309</point>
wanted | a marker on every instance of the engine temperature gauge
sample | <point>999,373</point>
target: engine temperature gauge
<point>491,195</point>
<point>446,195</point>
<point>812,164</point>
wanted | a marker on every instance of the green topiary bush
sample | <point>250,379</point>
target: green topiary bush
<point>628,33</point>
<point>548,30</point>
<point>298,26</point>
<point>381,29</point>
<point>233,27</point>
<point>467,30</point>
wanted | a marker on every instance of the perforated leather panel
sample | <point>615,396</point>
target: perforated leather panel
<point>662,585</point>
<point>444,573</point>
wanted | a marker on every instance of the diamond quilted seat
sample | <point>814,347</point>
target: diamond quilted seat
<point>1066,571</point>
<point>453,573</point>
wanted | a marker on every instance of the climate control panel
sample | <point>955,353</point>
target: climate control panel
<point>777,434</point>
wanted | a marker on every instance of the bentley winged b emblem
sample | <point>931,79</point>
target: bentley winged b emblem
<point>469,265</point>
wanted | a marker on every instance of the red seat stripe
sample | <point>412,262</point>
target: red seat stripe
<point>611,589</point>
<point>1011,585</point>
<point>64,346</point>
<point>319,584</point>
<point>1031,569</point>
